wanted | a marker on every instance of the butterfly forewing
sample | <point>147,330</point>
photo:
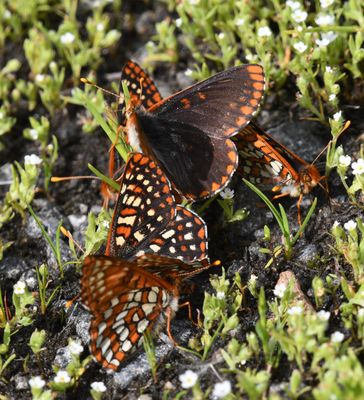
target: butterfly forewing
<point>145,205</point>
<point>141,88</point>
<point>219,106</point>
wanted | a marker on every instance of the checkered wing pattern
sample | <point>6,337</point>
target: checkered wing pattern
<point>265,163</point>
<point>146,218</point>
<point>141,88</point>
<point>126,301</point>
<point>188,133</point>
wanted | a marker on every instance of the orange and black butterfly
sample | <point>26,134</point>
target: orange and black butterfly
<point>189,133</point>
<point>154,244</point>
<point>270,165</point>
<point>262,160</point>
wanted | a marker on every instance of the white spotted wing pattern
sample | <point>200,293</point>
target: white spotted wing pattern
<point>128,298</point>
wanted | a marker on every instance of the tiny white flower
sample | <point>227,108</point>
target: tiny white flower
<point>100,27</point>
<point>323,315</point>
<point>279,290</point>
<point>221,35</point>
<point>336,224</point>
<point>337,337</point>
<point>227,194</point>
<point>326,39</point>
<point>328,69</point>
<point>264,31</point>
<point>220,295</point>
<point>194,2</point>
<point>332,97</point>
<point>337,116</point>
<point>188,72</point>
<point>251,57</point>
<point>62,377</point>
<point>98,387</point>
<point>2,115</point>
<point>295,310</point>
<point>300,47</point>
<point>239,22</point>
<point>75,348</point>
<point>350,225</point>
<point>221,389</point>
<point>326,3</point>
<point>7,14</point>
<point>32,159</point>
<point>39,78</point>
<point>344,161</point>
<point>358,167</point>
<point>106,224</point>
<point>179,22</point>
<point>19,287</point>
<point>253,278</point>
<point>67,38</point>
<point>36,382</point>
<point>361,313</point>
<point>33,133</point>
<point>325,19</point>
<point>299,28</point>
<point>299,15</point>
<point>188,379</point>
<point>294,5</point>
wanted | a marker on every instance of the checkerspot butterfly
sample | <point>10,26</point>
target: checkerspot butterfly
<point>153,246</point>
<point>262,160</point>
<point>266,163</point>
<point>189,132</point>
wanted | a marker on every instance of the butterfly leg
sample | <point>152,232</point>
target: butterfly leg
<point>106,192</point>
<point>188,305</point>
<point>169,314</point>
<point>299,201</point>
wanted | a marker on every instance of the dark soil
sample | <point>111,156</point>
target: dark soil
<point>235,244</point>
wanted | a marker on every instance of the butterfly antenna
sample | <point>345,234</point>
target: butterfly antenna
<point>72,178</point>
<point>88,82</point>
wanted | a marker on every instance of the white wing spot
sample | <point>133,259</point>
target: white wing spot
<point>126,346</point>
<point>142,325</point>
<point>168,234</point>
<point>155,248</point>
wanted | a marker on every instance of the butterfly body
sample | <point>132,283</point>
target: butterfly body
<point>189,132</point>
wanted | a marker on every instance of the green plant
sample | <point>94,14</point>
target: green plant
<point>282,220</point>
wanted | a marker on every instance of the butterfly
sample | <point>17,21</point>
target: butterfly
<point>153,245</point>
<point>189,132</point>
<point>268,164</point>
<point>262,160</point>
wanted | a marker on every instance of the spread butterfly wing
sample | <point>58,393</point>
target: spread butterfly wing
<point>219,106</point>
<point>141,88</point>
<point>125,301</point>
<point>145,206</point>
